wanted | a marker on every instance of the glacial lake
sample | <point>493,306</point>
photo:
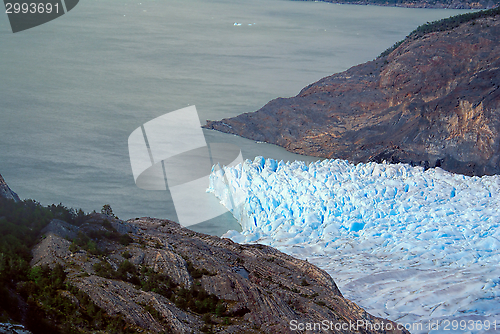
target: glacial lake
<point>74,89</point>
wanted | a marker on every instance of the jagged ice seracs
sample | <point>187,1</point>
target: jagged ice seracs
<point>405,243</point>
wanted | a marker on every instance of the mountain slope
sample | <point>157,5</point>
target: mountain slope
<point>6,192</point>
<point>432,101</point>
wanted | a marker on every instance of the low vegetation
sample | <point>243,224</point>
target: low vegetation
<point>56,307</point>
<point>195,299</point>
<point>40,297</point>
<point>444,25</point>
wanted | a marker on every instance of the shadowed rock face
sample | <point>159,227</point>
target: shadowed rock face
<point>263,288</point>
<point>433,101</point>
<point>6,192</point>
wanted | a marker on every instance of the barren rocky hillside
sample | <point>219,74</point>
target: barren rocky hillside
<point>206,284</point>
<point>433,101</point>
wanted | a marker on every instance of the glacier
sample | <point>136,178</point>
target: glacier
<point>417,246</point>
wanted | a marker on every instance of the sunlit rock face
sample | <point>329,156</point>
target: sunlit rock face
<point>433,101</point>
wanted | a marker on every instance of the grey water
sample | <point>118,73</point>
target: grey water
<point>73,90</point>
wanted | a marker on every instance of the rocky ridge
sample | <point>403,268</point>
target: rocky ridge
<point>6,192</point>
<point>433,101</point>
<point>262,289</point>
<point>450,4</point>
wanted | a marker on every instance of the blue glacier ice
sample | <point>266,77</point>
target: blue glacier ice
<point>407,244</point>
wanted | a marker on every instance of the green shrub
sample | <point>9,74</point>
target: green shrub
<point>125,239</point>
<point>126,255</point>
<point>197,273</point>
<point>107,210</point>
<point>104,269</point>
<point>73,248</point>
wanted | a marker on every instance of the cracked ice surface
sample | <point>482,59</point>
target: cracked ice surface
<point>410,245</point>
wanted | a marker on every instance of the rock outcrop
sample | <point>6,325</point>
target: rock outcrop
<point>6,192</point>
<point>433,101</point>
<point>450,4</point>
<point>263,290</point>
<point>8,328</point>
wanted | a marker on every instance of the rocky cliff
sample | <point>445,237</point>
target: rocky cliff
<point>455,4</point>
<point>433,101</point>
<point>256,289</point>
<point>6,192</point>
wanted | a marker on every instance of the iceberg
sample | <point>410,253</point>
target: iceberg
<point>408,244</point>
